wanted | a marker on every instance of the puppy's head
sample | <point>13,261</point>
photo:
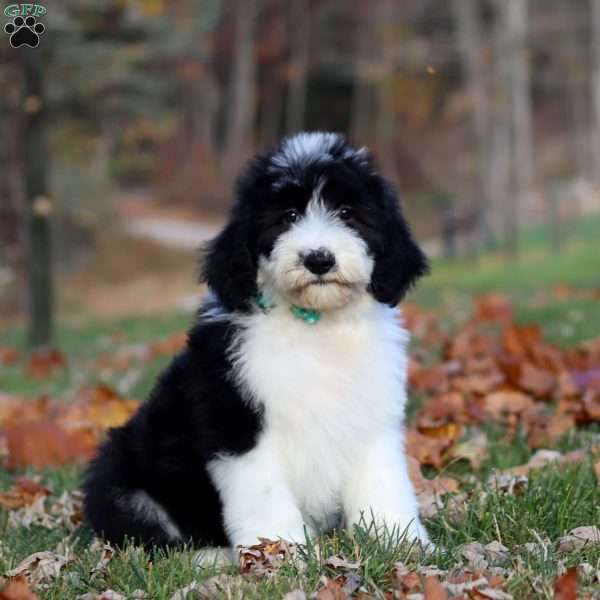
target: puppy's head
<point>315,225</point>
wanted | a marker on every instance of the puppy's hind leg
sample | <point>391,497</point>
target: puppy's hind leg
<point>257,501</point>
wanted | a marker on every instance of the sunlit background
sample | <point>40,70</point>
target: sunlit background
<point>122,132</point>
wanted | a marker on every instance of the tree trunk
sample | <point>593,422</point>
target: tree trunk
<point>299,27</point>
<point>242,90</point>
<point>516,12</point>
<point>361,94</point>
<point>41,293</point>
<point>500,163</point>
<point>470,43</point>
<point>595,129</point>
<point>385,117</point>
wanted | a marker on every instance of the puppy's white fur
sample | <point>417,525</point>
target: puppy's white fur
<point>333,397</point>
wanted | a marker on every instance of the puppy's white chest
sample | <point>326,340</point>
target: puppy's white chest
<point>326,391</point>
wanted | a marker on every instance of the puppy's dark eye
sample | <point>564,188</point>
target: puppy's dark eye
<point>291,215</point>
<point>345,213</point>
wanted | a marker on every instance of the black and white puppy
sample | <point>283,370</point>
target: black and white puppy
<point>284,413</point>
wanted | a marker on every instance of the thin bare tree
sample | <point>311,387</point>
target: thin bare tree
<point>39,205</point>
<point>471,48</point>
<point>595,129</point>
<point>242,90</point>
<point>299,28</point>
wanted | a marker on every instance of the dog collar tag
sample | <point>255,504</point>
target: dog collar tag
<point>309,315</point>
<point>263,303</point>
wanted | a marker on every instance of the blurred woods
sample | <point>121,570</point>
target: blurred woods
<point>486,113</point>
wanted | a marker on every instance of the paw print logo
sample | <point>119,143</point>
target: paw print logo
<point>24,32</point>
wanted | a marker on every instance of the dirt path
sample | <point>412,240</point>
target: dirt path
<point>171,232</point>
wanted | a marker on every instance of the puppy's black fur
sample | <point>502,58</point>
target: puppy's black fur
<point>196,411</point>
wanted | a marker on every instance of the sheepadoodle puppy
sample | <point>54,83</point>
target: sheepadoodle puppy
<point>283,416</point>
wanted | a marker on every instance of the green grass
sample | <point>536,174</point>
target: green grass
<point>553,502</point>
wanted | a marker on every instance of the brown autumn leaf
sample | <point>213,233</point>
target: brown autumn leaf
<point>24,492</point>
<point>43,443</point>
<point>591,404</point>
<point>339,588</point>
<point>436,486</point>
<point>539,382</point>
<point>427,450</point>
<point>580,537</point>
<point>14,408</point>
<point>546,430</point>
<point>45,363</point>
<point>495,308</point>
<point>474,450</point>
<point>519,339</point>
<point>40,567</point>
<point>434,589</point>
<point>483,383</point>
<point>428,379</point>
<point>503,402</point>
<point>470,343</point>
<point>446,431</point>
<point>565,586</point>
<point>8,355</point>
<point>597,471</point>
<point>18,589</point>
<point>265,557</point>
<point>168,347</point>
<point>443,407</point>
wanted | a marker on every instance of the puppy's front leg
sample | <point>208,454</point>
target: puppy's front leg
<point>379,487</point>
<point>257,502</point>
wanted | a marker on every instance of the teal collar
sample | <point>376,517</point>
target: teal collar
<point>308,315</point>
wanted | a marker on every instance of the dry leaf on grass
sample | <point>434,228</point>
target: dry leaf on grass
<point>8,355</point>
<point>341,562</point>
<point>339,588</point>
<point>106,595</point>
<point>44,363</point>
<point>565,586</point>
<point>266,557</point>
<point>23,492</point>
<point>39,568</point>
<point>210,588</point>
<point>295,595</point>
<point>434,590</point>
<point>579,537</point>
<point>18,589</point>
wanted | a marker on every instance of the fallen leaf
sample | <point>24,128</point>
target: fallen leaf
<point>501,403</point>
<point>8,355</point>
<point>565,586</point>
<point>106,595</point>
<point>24,492</point>
<point>42,443</point>
<point>434,589</point>
<point>579,537</point>
<point>40,568</point>
<point>295,595</point>
<point>170,346</point>
<point>493,308</point>
<point>546,430</point>
<point>427,450</point>
<point>532,379</point>
<point>45,363</point>
<point>591,404</point>
<point>18,589</point>
<point>474,450</point>
<point>340,562</point>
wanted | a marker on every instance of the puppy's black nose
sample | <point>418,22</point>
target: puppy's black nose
<point>319,261</point>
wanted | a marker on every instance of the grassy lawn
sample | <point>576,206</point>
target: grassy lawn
<point>528,523</point>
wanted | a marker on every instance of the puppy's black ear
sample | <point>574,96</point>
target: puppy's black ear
<point>227,266</point>
<point>399,261</point>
